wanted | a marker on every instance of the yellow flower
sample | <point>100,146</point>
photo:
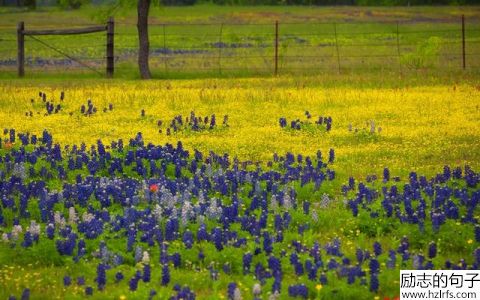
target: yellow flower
<point>318,287</point>
<point>122,297</point>
<point>470,241</point>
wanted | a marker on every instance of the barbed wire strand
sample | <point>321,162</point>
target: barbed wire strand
<point>66,55</point>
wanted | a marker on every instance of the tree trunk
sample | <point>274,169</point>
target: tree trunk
<point>31,4</point>
<point>144,44</point>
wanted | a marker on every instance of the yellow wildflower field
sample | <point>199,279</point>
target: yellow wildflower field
<point>422,127</point>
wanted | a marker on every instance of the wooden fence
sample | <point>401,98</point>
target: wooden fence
<point>265,48</point>
<point>108,28</point>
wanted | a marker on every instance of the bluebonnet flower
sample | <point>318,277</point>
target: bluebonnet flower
<point>101,276</point>
<point>146,273</point>
<point>374,283</point>
<point>217,238</point>
<point>27,240</point>
<point>152,294</point>
<point>386,175</point>
<point>80,280</point>
<point>306,207</point>
<point>391,259</point>
<point>331,156</point>
<point>88,291</point>
<point>119,276</point>
<point>247,261</point>
<point>176,259</point>
<point>377,248</point>
<point>374,266</point>
<point>267,243</point>
<point>133,283</point>
<point>277,285</point>
<point>299,290</point>
<point>50,231</point>
<point>25,294</point>
<point>231,290</point>
<point>298,269</point>
<point>323,279</point>
<point>477,257</point>
<point>432,250</point>
<point>201,255</point>
<point>184,294</point>
<point>165,275</point>
<point>67,280</point>
<point>328,126</point>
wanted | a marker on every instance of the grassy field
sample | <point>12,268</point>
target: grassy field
<point>210,41</point>
<point>413,122</point>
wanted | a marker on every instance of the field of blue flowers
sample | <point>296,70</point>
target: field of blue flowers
<point>136,220</point>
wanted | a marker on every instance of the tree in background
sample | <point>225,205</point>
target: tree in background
<point>31,4</point>
<point>143,10</point>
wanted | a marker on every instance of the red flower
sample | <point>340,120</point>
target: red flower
<point>153,188</point>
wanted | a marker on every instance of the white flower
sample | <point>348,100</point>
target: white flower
<point>257,289</point>
<point>274,203</point>
<point>59,220</point>
<point>274,296</point>
<point>287,201</point>
<point>145,258</point>
<point>237,295</point>
<point>87,217</point>
<point>19,171</point>
<point>72,215</point>
<point>16,231</point>
<point>314,216</point>
<point>372,126</point>
<point>187,211</point>
<point>5,238</point>
<point>34,228</point>
<point>258,188</point>
<point>325,201</point>
<point>213,210</point>
<point>157,212</point>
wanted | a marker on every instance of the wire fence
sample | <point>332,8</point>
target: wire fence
<point>261,48</point>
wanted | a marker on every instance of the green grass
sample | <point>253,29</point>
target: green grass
<point>428,38</point>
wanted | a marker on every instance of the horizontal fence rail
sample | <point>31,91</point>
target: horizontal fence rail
<point>262,48</point>
<point>22,33</point>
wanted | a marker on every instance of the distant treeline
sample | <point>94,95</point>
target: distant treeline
<point>339,2</point>
<point>332,2</point>
<point>78,3</point>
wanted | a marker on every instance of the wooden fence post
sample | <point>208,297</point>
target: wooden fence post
<point>21,49</point>
<point>276,47</point>
<point>220,45</point>
<point>110,47</point>
<point>463,41</point>
<point>165,50</point>
<point>398,48</point>
<point>336,46</point>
